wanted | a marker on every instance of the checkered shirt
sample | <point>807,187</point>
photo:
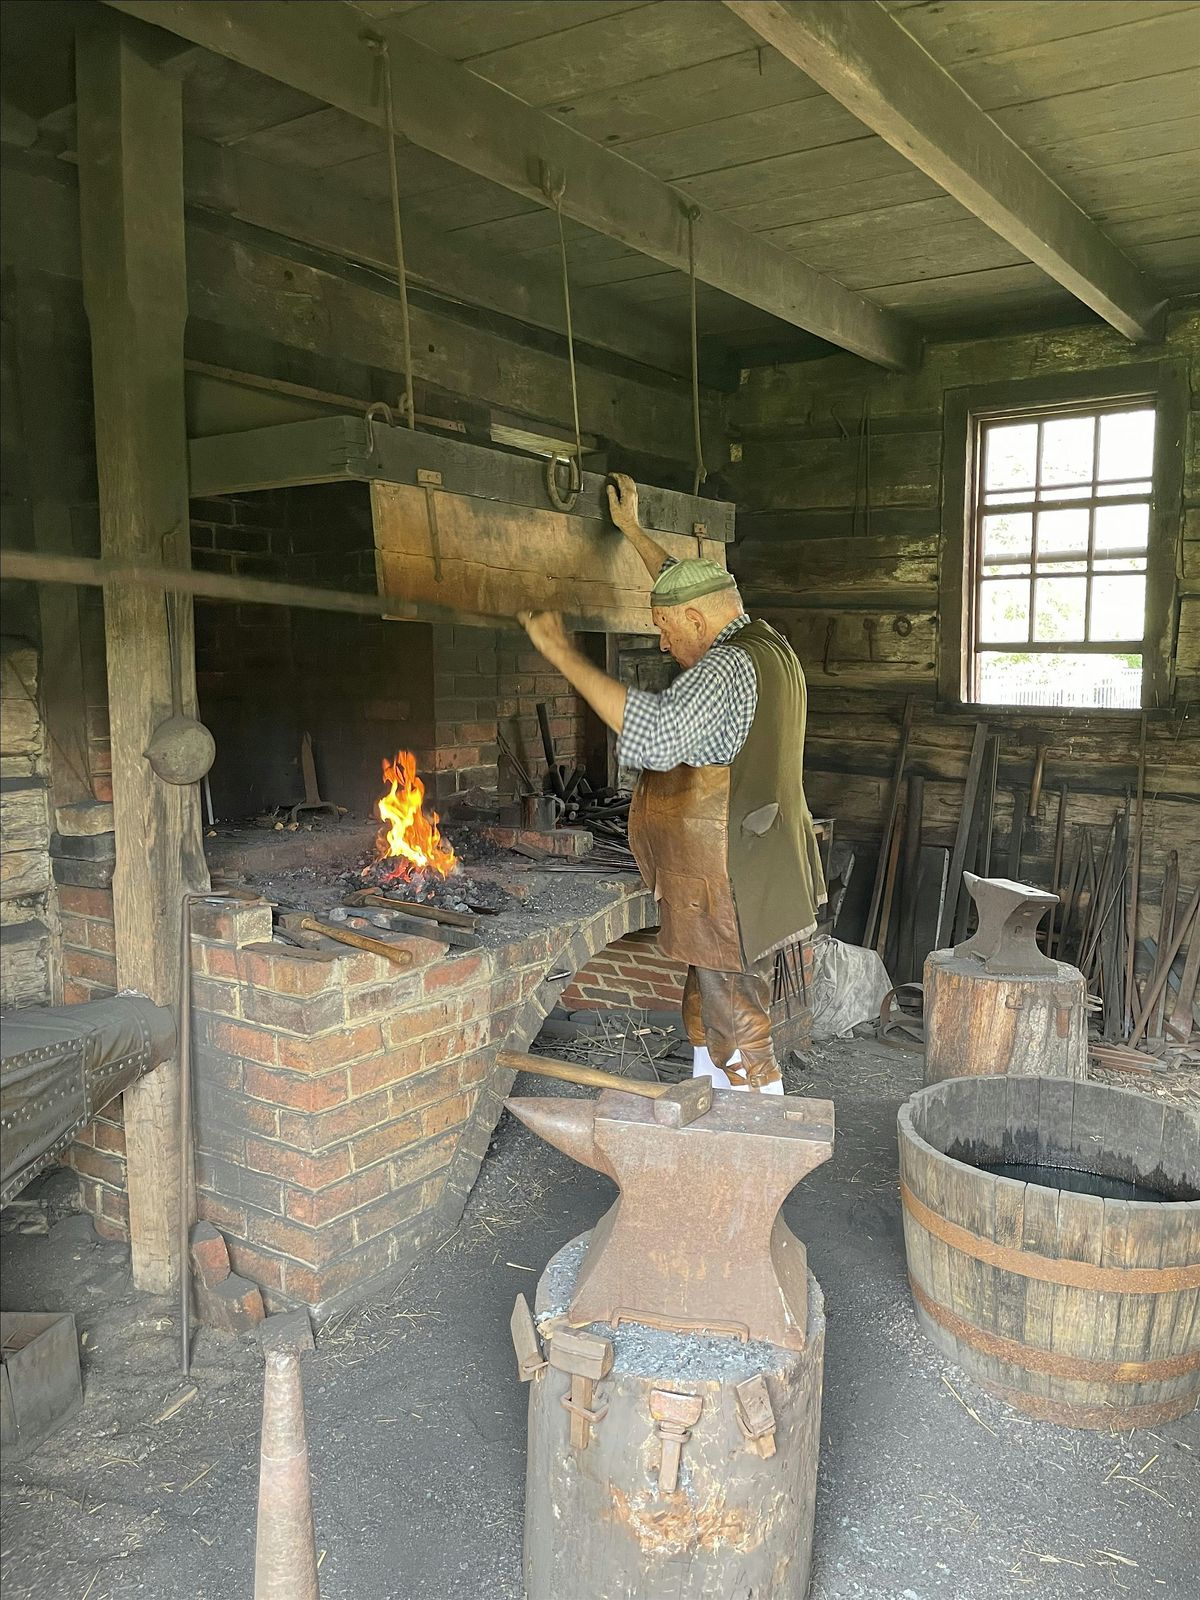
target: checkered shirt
<point>701,720</point>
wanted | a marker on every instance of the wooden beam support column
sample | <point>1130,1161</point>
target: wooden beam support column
<point>864,58</point>
<point>135,292</point>
<point>322,48</point>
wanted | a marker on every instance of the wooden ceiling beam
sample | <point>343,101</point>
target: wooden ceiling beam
<point>865,59</point>
<point>317,210</point>
<point>323,49</point>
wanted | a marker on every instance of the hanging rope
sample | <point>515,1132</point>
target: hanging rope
<point>560,501</point>
<point>701,471</point>
<point>380,46</point>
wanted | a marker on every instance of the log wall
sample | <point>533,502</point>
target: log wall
<point>843,555</point>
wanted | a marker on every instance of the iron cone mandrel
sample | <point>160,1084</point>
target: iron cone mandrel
<point>695,1239</point>
<point>285,1555</point>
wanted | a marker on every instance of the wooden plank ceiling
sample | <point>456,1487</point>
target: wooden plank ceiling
<point>1104,96</point>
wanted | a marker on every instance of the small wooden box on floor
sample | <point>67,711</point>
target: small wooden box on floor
<point>979,1023</point>
<point>738,1522</point>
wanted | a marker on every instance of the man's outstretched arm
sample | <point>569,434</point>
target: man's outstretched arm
<point>604,694</point>
<point>623,505</point>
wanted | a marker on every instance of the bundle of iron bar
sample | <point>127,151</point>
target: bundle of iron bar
<point>1093,929</point>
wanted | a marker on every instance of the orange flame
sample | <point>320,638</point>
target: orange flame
<point>413,837</point>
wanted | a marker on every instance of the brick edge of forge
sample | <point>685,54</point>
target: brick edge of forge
<point>343,1109</point>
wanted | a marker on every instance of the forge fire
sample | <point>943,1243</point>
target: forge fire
<point>411,848</point>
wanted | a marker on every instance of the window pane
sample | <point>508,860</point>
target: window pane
<point>1010,456</point>
<point>1067,449</point>
<point>1012,678</point>
<point>1008,535</point>
<point>1014,569</point>
<point>1062,533</point>
<point>1008,497</point>
<point>1118,564</point>
<point>1003,610</point>
<point>1059,492</point>
<point>1122,528</point>
<point>1060,608</point>
<point>1125,488</point>
<point>1050,569</point>
<point>1119,607</point>
<point>1126,443</point>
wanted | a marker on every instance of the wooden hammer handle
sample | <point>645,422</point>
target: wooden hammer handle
<point>570,1072</point>
<point>377,947</point>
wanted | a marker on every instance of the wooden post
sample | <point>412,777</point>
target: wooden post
<point>135,292</point>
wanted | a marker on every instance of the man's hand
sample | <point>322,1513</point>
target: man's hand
<point>546,633</point>
<point>604,694</point>
<point>623,502</point>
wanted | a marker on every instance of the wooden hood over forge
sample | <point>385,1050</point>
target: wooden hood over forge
<point>470,530</point>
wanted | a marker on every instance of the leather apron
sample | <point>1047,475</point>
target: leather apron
<point>679,835</point>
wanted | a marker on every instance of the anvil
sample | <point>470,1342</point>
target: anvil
<point>694,1241</point>
<point>1009,913</point>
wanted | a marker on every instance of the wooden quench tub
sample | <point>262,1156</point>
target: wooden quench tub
<point>1070,1307</point>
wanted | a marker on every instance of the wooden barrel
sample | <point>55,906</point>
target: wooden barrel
<point>1070,1307</point>
<point>736,1521</point>
<point>979,1022</point>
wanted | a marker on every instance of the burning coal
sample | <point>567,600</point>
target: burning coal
<point>411,847</point>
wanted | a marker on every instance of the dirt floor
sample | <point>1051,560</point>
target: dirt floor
<point>416,1421</point>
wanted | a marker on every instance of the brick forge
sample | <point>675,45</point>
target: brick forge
<point>633,973</point>
<point>343,1108</point>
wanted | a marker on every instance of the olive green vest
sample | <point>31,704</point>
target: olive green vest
<point>730,852</point>
<point>774,862</point>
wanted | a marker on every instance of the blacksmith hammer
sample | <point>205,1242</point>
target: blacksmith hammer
<point>675,1104</point>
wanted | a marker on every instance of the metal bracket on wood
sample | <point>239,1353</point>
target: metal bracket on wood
<point>756,1415</point>
<point>527,1346</point>
<point>587,1359</point>
<point>675,1415</point>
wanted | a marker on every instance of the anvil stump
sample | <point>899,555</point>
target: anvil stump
<point>699,1475</point>
<point>995,1004</point>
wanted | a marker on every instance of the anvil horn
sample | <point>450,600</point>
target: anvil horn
<point>569,1125</point>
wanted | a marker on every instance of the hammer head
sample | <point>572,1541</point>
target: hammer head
<point>684,1102</point>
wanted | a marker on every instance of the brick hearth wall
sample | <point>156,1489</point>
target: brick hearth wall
<point>266,675</point>
<point>342,1108</point>
<point>485,677</point>
<point>631,972</point>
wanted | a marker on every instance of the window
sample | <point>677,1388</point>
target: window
<point>1059,544</point>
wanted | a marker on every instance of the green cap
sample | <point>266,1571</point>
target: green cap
<point>684,581</point>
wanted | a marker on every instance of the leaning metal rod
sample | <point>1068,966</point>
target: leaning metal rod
<point>185,1131</point>
<point>36,566</point>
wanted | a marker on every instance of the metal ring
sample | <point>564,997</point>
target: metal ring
<point>558,500</point>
